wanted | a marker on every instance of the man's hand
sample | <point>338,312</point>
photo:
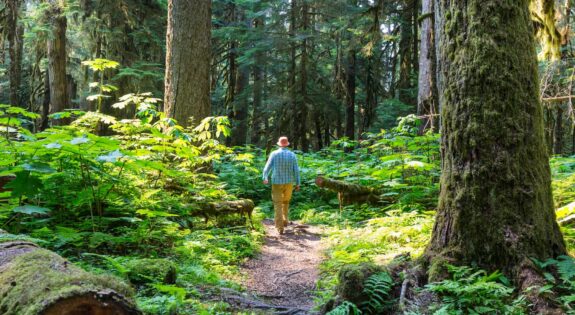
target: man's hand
<point>296,187</point>
<point>266,181</point>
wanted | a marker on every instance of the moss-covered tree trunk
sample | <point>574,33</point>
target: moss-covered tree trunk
<point>495,206</point>
<point>188,55</point>
<point>37,281</point>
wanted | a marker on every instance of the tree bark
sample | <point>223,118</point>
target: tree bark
<point>427,93</point>
<point>302,111</point>
<point>495,206</point>
<point>558,131</point>
<point>406,54</point>
<point>46,102</point>
<point>339,86</point>
<point>292,74</point>
<point>258,74</point>
<point>57,59</point>
<point>188,55</point>
<point>37,281</point>
<point>350,96</point>
<point>15,45</point>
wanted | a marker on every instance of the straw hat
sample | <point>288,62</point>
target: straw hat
<point>283,142</point>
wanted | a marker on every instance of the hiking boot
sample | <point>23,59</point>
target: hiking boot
<point>281,232</point>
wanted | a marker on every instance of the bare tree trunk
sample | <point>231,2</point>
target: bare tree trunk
<point>350,95</point>
<point>15,44</point>
<point>258,74</point>
<point>57,59</point>
<point>427,97</point>
<point>339,85</point>
<point>302,111</point>
<point>46,102</point>
<point>406,54</point>
<point>240,130</point>
<point>558,131</point>
<point>188,55</point>
<point>292,73</point>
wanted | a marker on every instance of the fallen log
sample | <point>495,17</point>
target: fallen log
<point>349,193</point>
<point>34,281</point>
<point>243,207</point>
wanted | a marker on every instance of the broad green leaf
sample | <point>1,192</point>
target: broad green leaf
<point>31,210</point>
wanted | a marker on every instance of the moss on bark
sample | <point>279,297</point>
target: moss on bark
<point>495,206</point>
<point>37,281</point>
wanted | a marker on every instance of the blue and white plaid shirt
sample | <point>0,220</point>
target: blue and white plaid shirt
<point>282,163</point>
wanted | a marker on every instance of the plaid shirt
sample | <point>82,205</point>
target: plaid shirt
<point>282,163</point>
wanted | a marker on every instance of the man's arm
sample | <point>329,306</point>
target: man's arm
<point>268,168</point>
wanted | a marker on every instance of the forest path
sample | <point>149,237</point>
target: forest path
<point>285,272</point>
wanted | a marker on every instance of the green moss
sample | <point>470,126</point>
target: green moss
<point>149,270</point>
<point>437,270</point>
<point>351,281</point>
<point>35,280</point>
<point>495,204</point>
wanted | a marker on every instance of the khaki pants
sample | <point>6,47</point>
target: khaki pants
<point>281,195</point>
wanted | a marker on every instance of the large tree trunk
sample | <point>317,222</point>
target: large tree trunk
<point>495,205</point>
<point>188,55</point>
<point>57,58</point>
<point>37,281</point>
<point>406,54</point>
<point>427,94</point>
<point>15,42</point>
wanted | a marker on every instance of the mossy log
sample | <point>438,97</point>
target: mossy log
<point>348,193</point>
<point>37,281</point>
<point>244,207</point>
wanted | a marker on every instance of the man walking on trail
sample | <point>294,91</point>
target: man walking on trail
<point>282,163</point>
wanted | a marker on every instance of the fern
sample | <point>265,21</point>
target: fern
<point>377,288</point>
<point>472,291</point>
<point>566,287</point>
<point>345,308</point>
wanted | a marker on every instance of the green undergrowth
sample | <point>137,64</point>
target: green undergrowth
<point>125,198</point>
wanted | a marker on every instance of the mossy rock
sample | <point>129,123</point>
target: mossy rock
<point>151,270</point>
<point>351,281</point>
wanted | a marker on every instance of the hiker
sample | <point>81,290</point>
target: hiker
<point>282,163</point>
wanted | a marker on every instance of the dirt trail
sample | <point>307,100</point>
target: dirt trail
<point>285,273</point>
